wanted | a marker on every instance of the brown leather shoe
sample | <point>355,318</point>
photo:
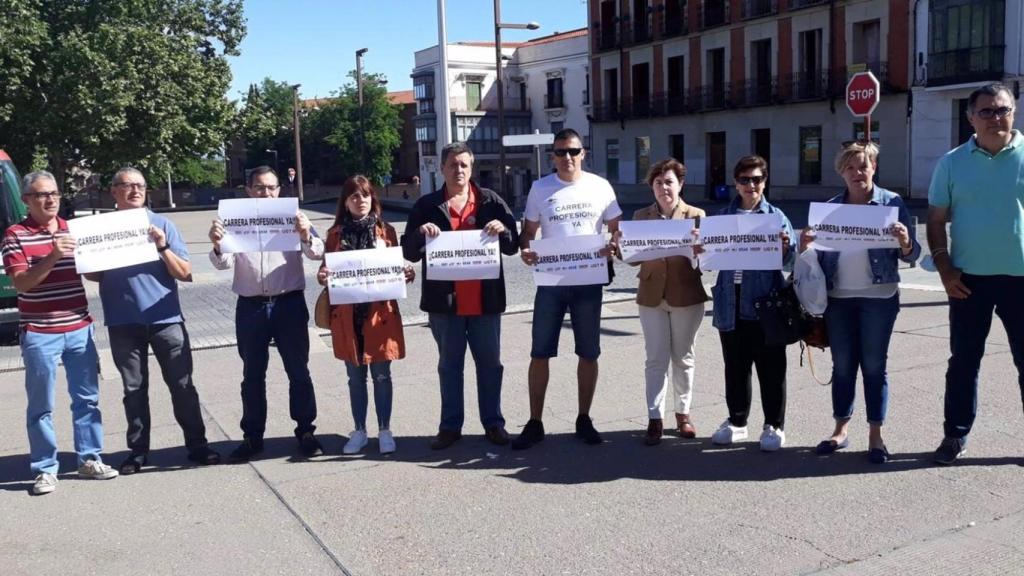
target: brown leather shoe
<point>444,439</point>
<point>654,431</point>
<point>685,426</point>
<point>497,435</point>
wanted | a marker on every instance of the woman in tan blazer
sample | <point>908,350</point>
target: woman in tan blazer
<point>671,298</point>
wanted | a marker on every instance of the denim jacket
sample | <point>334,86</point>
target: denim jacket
<point>884,265</point>
<point>756,283</point>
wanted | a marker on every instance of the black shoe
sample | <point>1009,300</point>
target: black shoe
<point>497,435</point>
<point>532,433</point>
<point>132,464</point>
<point>310,446</point>
<point>950,450</point>
<point>204,456</point>
<point>246,450</point>
<point>444,439</point>
<point>585,430</point>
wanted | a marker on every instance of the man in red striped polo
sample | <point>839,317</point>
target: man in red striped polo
<point>39,258</point>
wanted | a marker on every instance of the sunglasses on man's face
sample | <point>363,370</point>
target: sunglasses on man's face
<point>748,180</point>
<point>574,152</point>
<point>990,113</point>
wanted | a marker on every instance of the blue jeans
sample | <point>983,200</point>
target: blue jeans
<point>483,334</point>
<point>359,398</point>
<point>284,320</point>
<point>41,353</point>
<point>584,306</point>
<point>859,330</point>
<point>969,322</point>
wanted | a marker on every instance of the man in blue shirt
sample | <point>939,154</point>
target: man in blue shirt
<point>141,309</point>
<point>979,188</point>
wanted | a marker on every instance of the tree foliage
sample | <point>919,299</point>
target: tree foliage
<point>266,123</point>
<point>201,172</point>
<point>378,120</point>
<point>103,83</point>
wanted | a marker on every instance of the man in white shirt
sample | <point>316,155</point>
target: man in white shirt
<point>570,202</point>
<point>271,306</point>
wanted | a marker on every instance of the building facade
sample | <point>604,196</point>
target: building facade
<point>545,88</point>
<point>708,82</point>
<point>958,46</point>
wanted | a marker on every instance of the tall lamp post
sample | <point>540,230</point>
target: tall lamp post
<point>298,144</point>
<point>359,96</point>
<point>277,166</point>
<point>498,25</point>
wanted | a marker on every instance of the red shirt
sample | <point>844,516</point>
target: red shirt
<point>57,304</point>
<point>468,293</point>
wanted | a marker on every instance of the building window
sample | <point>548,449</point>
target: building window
<point>809,80</point>
<point>426,106</point>
<point>423,91</point>
<point>554,96</point>
<point>611,89</point>
<point>676,147</point>
<point>810,154</point>
<point>966,41</point>
<point>556,127</point>
<point>643,158</point>
<point>858,131</point>
<point>611,155</point>
<point>714,92</point>
<point>675,99</point>
<point>474,95</point>
<point>867,43</point>
<point>426,130</point>
<point>759,89</point>
<point>428,148</point>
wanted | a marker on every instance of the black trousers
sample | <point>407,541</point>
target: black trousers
<point>742,348</point>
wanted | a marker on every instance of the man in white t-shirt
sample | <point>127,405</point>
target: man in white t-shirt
<point>570,202</point>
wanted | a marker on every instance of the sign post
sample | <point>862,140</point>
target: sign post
<point>536,140</point>
<point>863,92</point>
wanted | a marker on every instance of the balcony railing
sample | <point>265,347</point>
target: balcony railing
<point>759,8</point>
<point>512,104</point>
<point>966,65</point>
<point>714,96</point>
<point>756,92</point>
<point>794,4</point>
<point>676,25</point>
<point>638,31</point>
<point>805,86</point>
<point>880,69</point>
<point>554,101</point>
<point>606,35</point>
<point>714,13</point>
<point>606,111</point>
<point>672,103</point>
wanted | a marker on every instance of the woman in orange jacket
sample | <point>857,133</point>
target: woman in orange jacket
<point>366,336</point>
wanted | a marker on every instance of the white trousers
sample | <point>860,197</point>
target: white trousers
<point>669,335</point>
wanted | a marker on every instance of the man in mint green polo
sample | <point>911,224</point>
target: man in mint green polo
<point>979,188</point>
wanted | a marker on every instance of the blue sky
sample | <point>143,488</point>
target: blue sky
<point>313,42</point>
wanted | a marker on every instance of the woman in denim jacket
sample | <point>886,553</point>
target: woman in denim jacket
<point>743,340</point>
<point>863,301</point>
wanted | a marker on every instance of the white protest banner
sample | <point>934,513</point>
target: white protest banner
<point>463,255</point>
<point>851,226</point>
<point>570,261</point>
<point>371,275</point>
<point>741,242</point>
<point>652,239</point>
<point>113,240</point>
<point>259,224</point>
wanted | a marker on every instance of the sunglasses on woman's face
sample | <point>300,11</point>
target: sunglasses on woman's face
<point>748,180</point>
<point>574,152</point>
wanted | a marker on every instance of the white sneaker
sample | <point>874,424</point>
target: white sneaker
<point>45,483</point>
<point>356,442</point>
<point>727,434</point>
<point>772,439</point>
<point>386,441</point>
<point>96,470</point>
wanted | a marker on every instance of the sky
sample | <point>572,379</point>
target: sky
<point>313,42</point>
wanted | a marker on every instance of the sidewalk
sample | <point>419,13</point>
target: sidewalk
<point>684,507</point>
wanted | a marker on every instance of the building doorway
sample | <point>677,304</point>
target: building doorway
<point>716,170</point>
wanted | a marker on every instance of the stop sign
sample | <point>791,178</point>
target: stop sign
<point>862,93</point>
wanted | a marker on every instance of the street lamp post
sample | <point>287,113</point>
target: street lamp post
<point>498,25</point>
<point>359,96</point>
<point>277,166</point>
<point>298,143</point>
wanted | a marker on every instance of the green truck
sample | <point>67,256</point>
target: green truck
<point>12,211</point>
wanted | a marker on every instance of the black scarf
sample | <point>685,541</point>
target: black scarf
<point>359,235</point>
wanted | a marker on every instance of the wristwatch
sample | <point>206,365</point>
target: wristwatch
<point>163,248</point>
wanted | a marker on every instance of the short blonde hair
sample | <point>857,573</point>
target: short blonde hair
<point>851,150</point>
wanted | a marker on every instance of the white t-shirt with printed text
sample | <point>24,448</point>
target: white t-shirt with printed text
<point>571,208</point>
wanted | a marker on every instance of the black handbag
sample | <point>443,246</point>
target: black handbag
<point>781,317</point>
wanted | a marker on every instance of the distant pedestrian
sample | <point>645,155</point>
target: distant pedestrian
<point>272,307</point>
<point>366,336</point>
<point>55,327</point>
<point>142,311</point>
<point>465,312</point>
<point>978,188</point>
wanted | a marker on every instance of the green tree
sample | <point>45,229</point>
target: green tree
<point>201,172</point>
<point>265,123</point>
<point>102,83</point>
<point>378,120</point>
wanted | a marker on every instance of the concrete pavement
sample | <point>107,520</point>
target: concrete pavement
<point>684,507</point>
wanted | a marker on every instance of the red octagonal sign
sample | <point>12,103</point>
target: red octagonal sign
<point>862,94</point>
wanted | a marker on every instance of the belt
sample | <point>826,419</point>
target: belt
<point>270,299</point>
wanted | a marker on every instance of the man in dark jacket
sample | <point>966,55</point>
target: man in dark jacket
<point>466,311</point>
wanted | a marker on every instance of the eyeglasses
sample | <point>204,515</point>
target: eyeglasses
<point>990,113</point>
<point>574,152</point>
<point>265,188</point>
<point>748,180</point>
<point>130,186</point>
<point>43,195</point>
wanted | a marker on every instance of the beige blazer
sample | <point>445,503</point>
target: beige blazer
<point>671,279</point>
